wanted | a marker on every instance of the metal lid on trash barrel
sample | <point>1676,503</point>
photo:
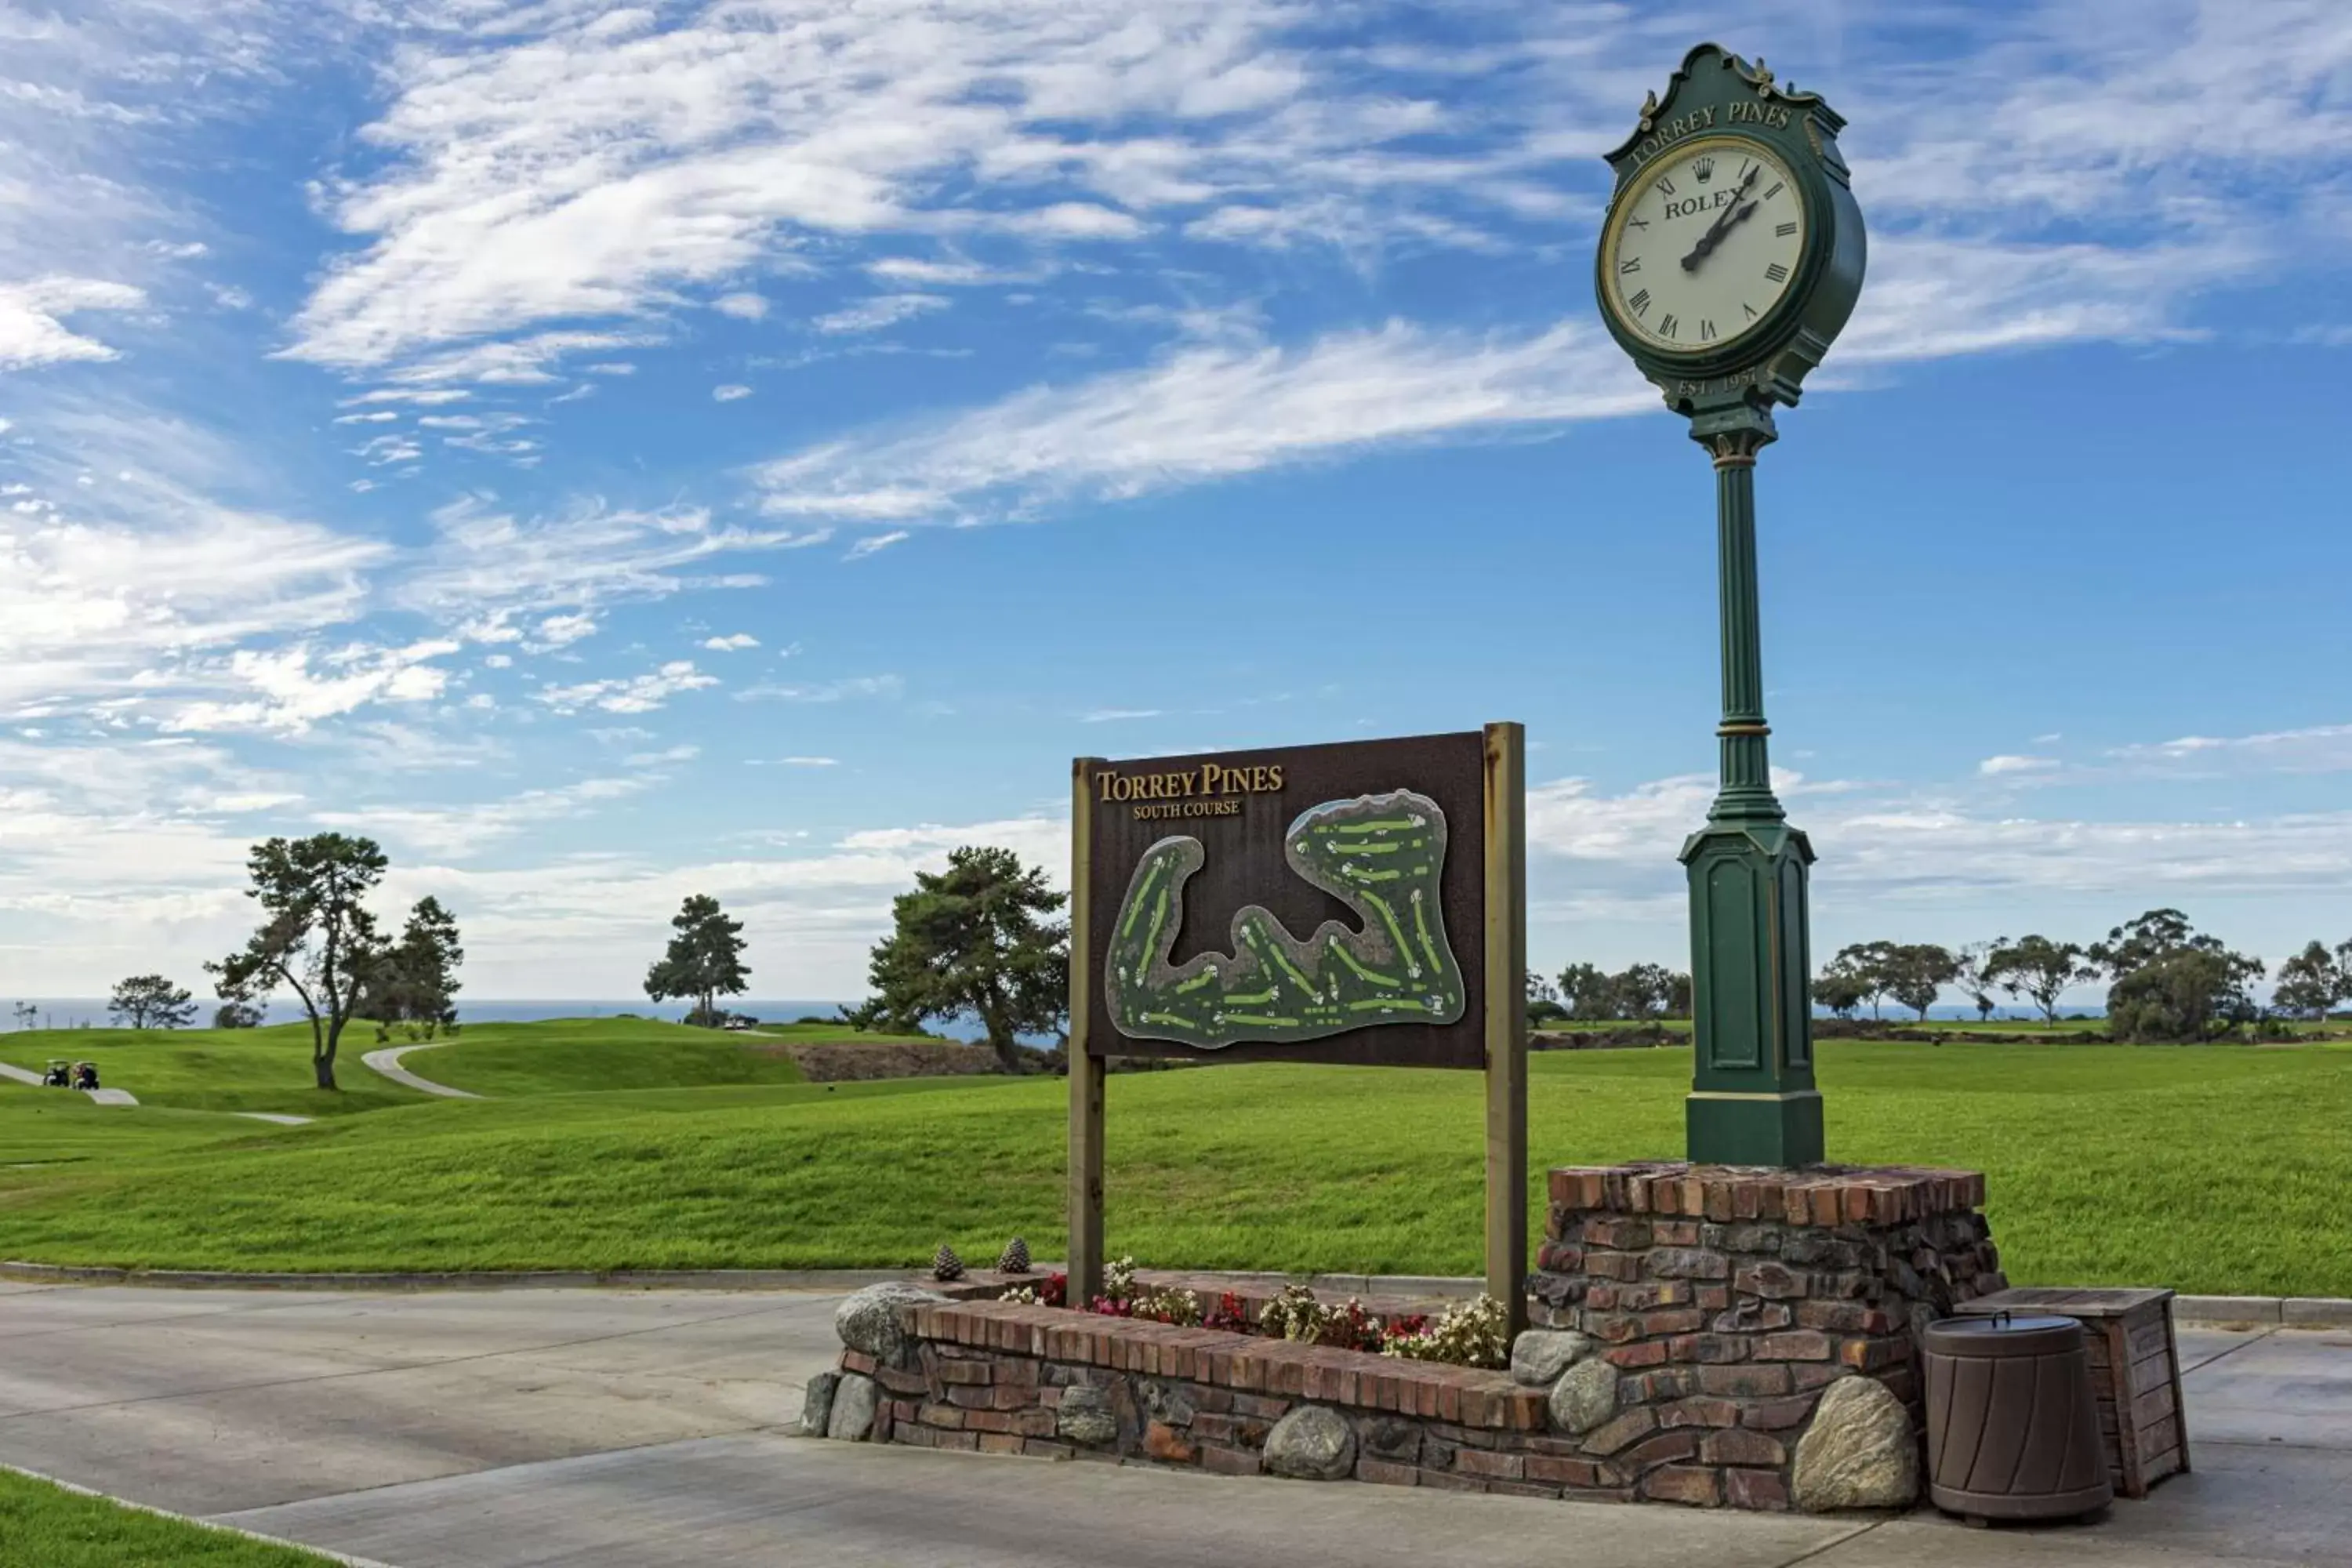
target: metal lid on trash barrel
<point>2003,1334</point>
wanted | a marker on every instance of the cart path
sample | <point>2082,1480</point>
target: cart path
<point>387,1062</point>
<point>102,1096</point>
<point>124,1096</point>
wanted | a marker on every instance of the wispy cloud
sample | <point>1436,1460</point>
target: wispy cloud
<point>628,694</point>
<point>1205,412</point>
<point>874,543</point>
<point>486,565</point>
<point>874,315</point>
<point>877,686</point>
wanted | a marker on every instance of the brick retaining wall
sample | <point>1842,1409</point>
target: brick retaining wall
<point>1722,1300</point>
<point>1730,1297</point>
<point>992,1376</point>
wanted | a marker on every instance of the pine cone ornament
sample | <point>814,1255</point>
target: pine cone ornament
<point>1016,1260</point>
<point>945,1264</point>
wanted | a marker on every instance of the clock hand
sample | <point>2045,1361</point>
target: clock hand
<point>1714,238</point>
<point>1731,215</point>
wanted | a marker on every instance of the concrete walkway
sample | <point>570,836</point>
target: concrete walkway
<point>387,1062</point>
<point>611,1429</point>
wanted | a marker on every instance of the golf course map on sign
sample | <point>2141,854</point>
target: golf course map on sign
<point>1382,855</point>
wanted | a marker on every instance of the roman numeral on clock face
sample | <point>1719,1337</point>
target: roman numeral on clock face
<point>1749,308</point>
<point>1631,264</point>
<point>1665,186</point>
<point>1785,230</point>
<point>1706,330</point>
<point>1640,303</point>
<point>1667,325</point>
<point>1777,273</point>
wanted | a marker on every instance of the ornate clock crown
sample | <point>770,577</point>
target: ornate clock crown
<point>1705,169</point>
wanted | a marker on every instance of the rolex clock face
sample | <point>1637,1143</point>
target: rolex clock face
<point>1703,245</point>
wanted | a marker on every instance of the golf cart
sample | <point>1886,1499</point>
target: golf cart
<point>85,1075</point>
<point>58,1076</point>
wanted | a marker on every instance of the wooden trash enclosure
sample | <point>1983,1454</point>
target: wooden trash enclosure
<point>2134,1370</point>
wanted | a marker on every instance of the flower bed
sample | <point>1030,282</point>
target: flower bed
<point>1465,1333</point>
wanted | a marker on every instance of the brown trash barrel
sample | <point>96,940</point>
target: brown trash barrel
<point>2012,1422</point>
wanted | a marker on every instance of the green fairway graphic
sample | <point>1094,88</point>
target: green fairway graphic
<point>1380,854</point>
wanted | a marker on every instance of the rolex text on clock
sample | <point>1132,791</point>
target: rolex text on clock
<point>1703,244</point>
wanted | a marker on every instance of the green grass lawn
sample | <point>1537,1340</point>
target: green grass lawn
<point>215,1069</point>
<point>573,1055</point>
<point>2211,1170</point>
<point>43,1526</point>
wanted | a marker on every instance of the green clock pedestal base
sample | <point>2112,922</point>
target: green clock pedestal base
<point>1755,1129</point>
<point>1753,1101</point>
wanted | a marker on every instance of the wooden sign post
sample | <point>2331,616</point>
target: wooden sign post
<point>1362,903</point>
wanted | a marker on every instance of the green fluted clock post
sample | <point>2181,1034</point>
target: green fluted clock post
<point>1731,256</point>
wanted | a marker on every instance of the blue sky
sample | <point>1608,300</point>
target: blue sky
<point>612,453</point>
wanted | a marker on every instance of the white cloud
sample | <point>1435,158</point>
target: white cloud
<point>522,362</point>
<point>295,688</point>
<point>943,274</point>
<point>628,694</point>
<point>729,393</point>
<point>734,642</point>
<point>874,543</point>
<point>742,307</point>
<point>1115,715</point>
<point>874,315</point>
<point>424,395</point>
<point>486,565</point>
<point>32,327</point>
<point>807,762</point>
<point>877,685</point>
<point>561,631</point>
<point>90,606</point>
<point>1996,766</point>
<point>1208,412</point>
<point>2315,748</point>
<point>462,831</point>
<point>1887,846</point>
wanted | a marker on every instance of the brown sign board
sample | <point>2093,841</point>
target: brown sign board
<point>1322,903</point>
<point>1359,903</point>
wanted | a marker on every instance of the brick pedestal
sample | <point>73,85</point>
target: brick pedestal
<point>1730,1296</point>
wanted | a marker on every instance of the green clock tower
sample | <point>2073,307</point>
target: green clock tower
<point>1730,257</point>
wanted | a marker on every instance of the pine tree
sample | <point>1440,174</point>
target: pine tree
<point>705,960</point>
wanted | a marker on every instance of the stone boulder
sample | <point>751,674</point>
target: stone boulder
<point>854,1398</point>
<point>1540,1356</point>
<point>1311,1444</point>
<point>1858,1452</point>
<point>1085,1416</point>
<point>816,1409</point>
<point>868,1320</point>
<point>1584,1397</point>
